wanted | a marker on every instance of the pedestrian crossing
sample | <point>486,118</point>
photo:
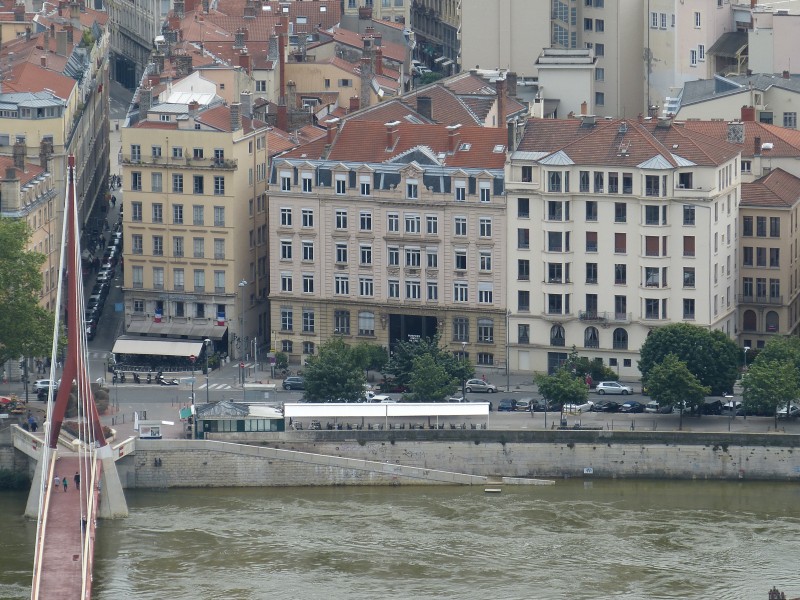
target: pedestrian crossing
<point>216,386</point>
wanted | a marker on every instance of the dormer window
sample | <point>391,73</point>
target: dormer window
<point>341,184</point>
<point>460,190</point>
<point>412,189</point>
<point>163,118</point>
<point>486,192</point>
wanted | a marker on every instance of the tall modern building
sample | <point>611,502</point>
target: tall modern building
<point>617,227</point>
<point>195,223</point>
<point>383,232</point>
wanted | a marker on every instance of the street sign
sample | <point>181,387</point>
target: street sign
<point>241,365</point>
<point>192,357</point>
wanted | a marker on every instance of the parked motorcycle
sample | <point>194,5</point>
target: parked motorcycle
<point>136,378</point>
<point>149,377</point>
<point>165,381</point>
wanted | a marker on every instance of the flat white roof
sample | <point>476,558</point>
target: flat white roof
<point>379,410</point>
<point>157,347</point>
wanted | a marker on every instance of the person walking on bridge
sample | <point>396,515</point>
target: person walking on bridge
<point>77,480</point>
<point>65,482</point>
<point>57,481</point>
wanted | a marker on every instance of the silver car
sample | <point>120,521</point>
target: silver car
<point>613,387</point>
<point>479,385</point>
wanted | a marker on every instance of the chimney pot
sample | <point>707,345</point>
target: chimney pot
<point>584,108</point>
<point>355,103</point>
<point>392,134</point>
<point>453,137</point>
<point>333,127</point>
<point>236,116</point>
<point>500,89</point>
<point>757,146</point>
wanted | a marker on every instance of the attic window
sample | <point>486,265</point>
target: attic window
<point>323,9</point>
<point>266,7</point>
<point>464,147</point>
<point>499,149</point>
<point>285,9</point>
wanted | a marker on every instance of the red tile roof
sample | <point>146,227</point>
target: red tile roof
<point>620,142</point>
<point>366,141</point>
<point>25,176</point>
<point>785,142</point>
<point>776,189</point>
<point>446,107</point>
<point>390,50</point>
<point>28,77</point>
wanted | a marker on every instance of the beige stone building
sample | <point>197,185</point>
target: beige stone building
<point>386,232</point>
<point>617,227</point>
<point>195,224</point>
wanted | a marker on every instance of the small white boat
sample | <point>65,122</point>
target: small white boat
<point>492,490</point>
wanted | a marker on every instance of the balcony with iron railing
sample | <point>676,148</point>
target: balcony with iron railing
<point>769,300</point>
<point>185,162</point>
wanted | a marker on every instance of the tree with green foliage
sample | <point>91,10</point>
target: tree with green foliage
<point>26,329</point>
<point>772,381</point>
<point>370,357</point>
<point>581,366</point>
<point>671,383</point>
<point>430,381</point>
<point>430,77</point>
<point>401,363</point>
<point>100,394</point>
<point>710,356</point>
<point>562,387</point>
<point>334,374</point>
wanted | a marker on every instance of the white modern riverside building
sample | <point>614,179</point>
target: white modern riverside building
<point>617,227</point>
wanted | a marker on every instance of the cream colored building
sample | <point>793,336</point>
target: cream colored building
<point>388,232</point>
<point>195,226</point>
<point>617,227</point>
<point>395,11</point>
<point>566,78</point>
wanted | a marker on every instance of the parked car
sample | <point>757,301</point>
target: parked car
<point>613,387</point>
<point>537,404</point>
<point>523,404</point>
<point>653,407</point>
<point>104,276</point>
<point>632,407</point>
<point>42,385</point>
<point>294,383</point>
<point>479,385</point>
<point>794,412</point>
<point>609,406</point>
<point>91,330</point>
<point>506,405</point>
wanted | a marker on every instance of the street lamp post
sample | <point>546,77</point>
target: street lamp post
<point>242,285</point>
<point>192,358</point>
<point>207,342</point>
<point>463,362</point>
<point>508,372</point>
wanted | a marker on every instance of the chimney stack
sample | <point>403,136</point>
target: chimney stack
<point>61,42</point>
<point>333,127</point>
<point>748,113</point>
<point>236,116</point>
<point>511,84</point>
<point>378,68</point>
<point>194,106</point>
<point>735,132</point>
<point>500,88</point>
<point>291,95</point>
<point>244,60</point>
<point>43,61</point>
<point>355,103</point>
<point>366,79</point>
<point>246,100</point>
<point>453,137</point>
<point>47,40</point>
<point>425,107</point>
<point>19,13</point>
<point>145,98</point>
<point>392,134</point>
<point>584,108</point>
<point>19,151</point>
<point>757,146</point>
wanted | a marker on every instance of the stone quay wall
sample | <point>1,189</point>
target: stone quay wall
<point>393,458</point>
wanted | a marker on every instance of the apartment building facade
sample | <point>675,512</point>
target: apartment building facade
<point>617,227</point>
<point>195,224</point>
<point>388,232</point>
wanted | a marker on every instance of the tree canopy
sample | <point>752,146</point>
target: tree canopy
<point>370,357</point>
<point>710,356</point>
<point>401,363</point>
<point>334,374</point>
<point>26,329</point>
<point>671,383</point>
<point>562,387</point>
<point>430,381</point>
<point>772,381</point>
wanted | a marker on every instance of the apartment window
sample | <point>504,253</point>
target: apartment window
<point>219,185</point>
<point>366,286</point>
<point>485,293</point>
<point>286,217</point>
<point>688,308</point>
<point>692,58</point>
<point>394,288</point>
<point>620,212</point>
<point>341,253</point>
<point>432,225</point>
<point>523,238</point>
<point>155,181</point>
<point>599,25</point>
<point>177,214</point>
<point>688,245</point>
<point>523,333</point>
<point>219,249</point>
<point>177,152</point>
<point>790,120</point>
<point>198,247</point>
<point>651,245</point>
<point>747,256</point>
<point>627,183</point>
<point>341,285</point>
<point>485,260</point>
<point>555,210</point>
<point>697,19</point>
<point>393,222</point>
<point>365,185</point>
<point>613,183</point>
<point>136,244</point>
<point>460,292</point>
<point>286,282</point>
<point>178,279</point>
<point>701,52</point>
<point>599,75</point>
<point>177,183</point>
<point>523,208</point>
<point>365,220</point>
<point>620,274</point>
<point>775,288</point>
<point>651,214</point>
<point>138,278</point>
<point>554,181</point>
<point>286,249</point>
<point>341,185</point>
<point>591,241</point>
<point>158,245</point>
<point>197,215</point>
<point>555,304</point>
<point>199,280</point>
<point>620,243</point>
<point>774,257</point>
<point>136,152</point>
<point>747,226</point>
<point>198,184</point>
<point>591,210</point>
<point>775,227</point>
<point>433,291</point>
<point>393,255</point>
<point>308,348</point>
<point>485,331</point>
<point>308,321</point>
<point>365,254</point>
<point>523,269</point>
<point>177,246</point>
<point>136,211</point>
<point>460,329</point>
<point>587,25</point>
<point>485,227</point>
<point>413,258</point>
<point>688,214</point>
<point>287,319</point>
<point>307,217</point>
<point>306,181</point>
<point>591,272</point>
<point>412,223</point>
<point>341,219</point>
<point>599,49</point>
<point>219,216</point>
<point>527,174</point>
<point>460,260</point>
<point>136,181</point>
<point>688,277</point>
<point>746,166</point>
<point>413,290</point>
<point>761,257</point>
<point>460,226</point>
<point>460,190</point>
<point>412,190</point>
<point>433,258</point>
<point>523,301</point>
<point>308,251</point>
<point>555,241</point>
<point>366,323</point>
<point>286,181</point>
<point>485,192</point>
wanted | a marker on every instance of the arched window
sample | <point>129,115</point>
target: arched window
<point>773,321</point>
<point>620,339</point>
<point>591,338</point>
<point>557,337</point>
<point>749,320</point>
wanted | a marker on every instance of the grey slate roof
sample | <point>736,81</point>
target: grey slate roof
<point>703,90</point>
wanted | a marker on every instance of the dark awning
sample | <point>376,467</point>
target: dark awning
<point>729,45</point>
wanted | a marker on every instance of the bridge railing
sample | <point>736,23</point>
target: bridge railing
<point>48,473</point>
<point>88,529</point>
